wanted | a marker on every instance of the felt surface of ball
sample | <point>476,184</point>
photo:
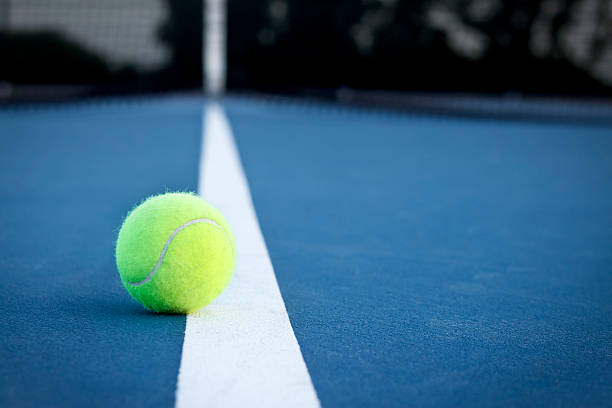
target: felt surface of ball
<point>175,253</point>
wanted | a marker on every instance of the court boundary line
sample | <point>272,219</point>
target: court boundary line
<point>240,350</point>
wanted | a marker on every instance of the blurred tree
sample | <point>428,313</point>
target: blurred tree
<point>425,45</point>
<point>602,38</point>
<point>182,33</point>
<point>38,48</point>
<point>48,58</point>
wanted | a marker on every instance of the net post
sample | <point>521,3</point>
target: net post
<point>214,55</point>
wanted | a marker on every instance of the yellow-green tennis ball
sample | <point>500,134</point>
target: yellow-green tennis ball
<point>175,253</point>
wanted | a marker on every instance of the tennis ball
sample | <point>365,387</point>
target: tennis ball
<point>175,253</point>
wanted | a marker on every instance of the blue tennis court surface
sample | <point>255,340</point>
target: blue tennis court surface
<point>423,260</point>
<point>71,336</point>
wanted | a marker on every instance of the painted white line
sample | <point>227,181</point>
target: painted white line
<point>240,351</point>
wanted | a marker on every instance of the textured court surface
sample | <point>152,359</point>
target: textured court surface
<point>71,336</point>
<point>424,261</point>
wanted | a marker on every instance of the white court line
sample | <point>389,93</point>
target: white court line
<point>240,351</point>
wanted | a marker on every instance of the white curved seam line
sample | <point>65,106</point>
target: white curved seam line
<point>176,231</point>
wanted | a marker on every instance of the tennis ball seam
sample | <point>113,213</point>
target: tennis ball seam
<point>169,241</point>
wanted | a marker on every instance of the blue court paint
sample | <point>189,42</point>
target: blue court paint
<point>71,335</point>
<point>431,261</point>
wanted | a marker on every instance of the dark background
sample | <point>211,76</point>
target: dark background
<point>549,47</point>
